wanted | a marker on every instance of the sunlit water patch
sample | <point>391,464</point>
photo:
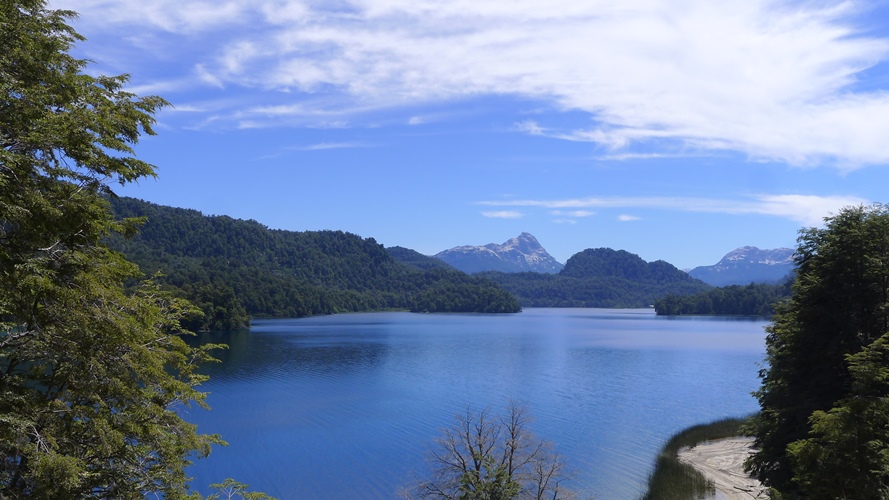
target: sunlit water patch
<point>346,406</point>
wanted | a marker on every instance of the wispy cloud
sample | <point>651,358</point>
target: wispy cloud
<point>504,214</point>
<point>774,80</point>
<point>806,209</point>
<point>573,213</point>
<point>530,127</point>
<point>321,146</point>
<point>627,218</point>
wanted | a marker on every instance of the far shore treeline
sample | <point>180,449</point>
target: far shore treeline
<point>236,269</point>
<point>755,299</point>
<point>233,270</point>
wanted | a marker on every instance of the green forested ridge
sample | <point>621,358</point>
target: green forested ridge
<point>599,277</point>
<point>221,263</point>
<point>755,299</point>
<point>416,259</point>
<point>823,431</point>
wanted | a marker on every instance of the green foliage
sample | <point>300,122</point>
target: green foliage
<point>599,277</point>
<point>755,299</point>
<point>672,479</point>
<point>232,490</point>
<point>90,374</point>
<point>234,269</point>
<point>852,439</point>
<point>823,396</point>
<point>219,309</point>
<point>416,259</point>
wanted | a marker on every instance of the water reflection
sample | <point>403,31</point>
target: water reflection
<point>345,406</point>
<point>258,354</point>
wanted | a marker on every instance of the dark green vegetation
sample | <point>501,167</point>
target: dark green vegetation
<point>233,269</point>
<point>416,259</point>
<point>90,372</point>
<point>755,299</point>
<point>824,425</point>
<point>674,480</point>
<point>599,277</point>
<point>486,456</point>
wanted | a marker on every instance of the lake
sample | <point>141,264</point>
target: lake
<point>347,406</point>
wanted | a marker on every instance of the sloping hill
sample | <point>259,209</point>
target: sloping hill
<point>224,263</point>
<point>416,259</point>
<point>600,277</point>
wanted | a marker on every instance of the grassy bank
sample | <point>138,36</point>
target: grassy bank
<point>674,480</point>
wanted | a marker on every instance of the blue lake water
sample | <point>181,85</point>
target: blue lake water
<point>346,406</point>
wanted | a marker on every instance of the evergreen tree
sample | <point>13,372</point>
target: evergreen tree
<point>826,362</point>
<point>90,375</point>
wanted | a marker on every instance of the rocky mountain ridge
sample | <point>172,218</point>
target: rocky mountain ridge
<point>746,265</point>
<point>520,254</point>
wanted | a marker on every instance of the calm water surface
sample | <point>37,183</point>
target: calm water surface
<point>346,406</point>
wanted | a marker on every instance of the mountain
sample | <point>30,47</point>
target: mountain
<point>520,254</point>
<point>415,259</point>
<point>599,277</point>
<point>747,265</point>
<point>234,269</point>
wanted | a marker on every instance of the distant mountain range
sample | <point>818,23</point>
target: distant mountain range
<point>233,270</point>
<point>599,277</point>
<point>521,254</point>
<point>524,253</point>
<point>746,265</point>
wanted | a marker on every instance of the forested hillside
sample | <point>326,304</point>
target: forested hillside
<point>755,299</point>
<point>600,277</point>
<point>234,269</point>
<point>416,259</point>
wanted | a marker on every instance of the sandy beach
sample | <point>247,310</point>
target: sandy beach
<point>722,461</point>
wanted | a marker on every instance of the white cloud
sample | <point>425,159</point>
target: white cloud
<point>627,218</point>
<point>806,209</point>
<point>573,213</point>
<point>774,80</point>
<point>530,127</point>
<point>332,145</point>
<point>504,214</point>
<point>177,16</point>
<point>207,77</point>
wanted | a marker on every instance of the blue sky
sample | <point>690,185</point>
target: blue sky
<point>676,130</point>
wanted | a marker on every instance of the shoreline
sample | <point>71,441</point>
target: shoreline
<point>722,462</point>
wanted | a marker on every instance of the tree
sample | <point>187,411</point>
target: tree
<point>484,457</point>
<point>90,375</point>
<point>826,370</point>
<point>231,490</point>
<point>851,441</point>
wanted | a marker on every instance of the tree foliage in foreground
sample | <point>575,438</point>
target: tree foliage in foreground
<point>488,457</point>
<point>90,374</point>
<point>825,392</point>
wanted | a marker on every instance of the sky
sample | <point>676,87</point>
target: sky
<point>677,130</point>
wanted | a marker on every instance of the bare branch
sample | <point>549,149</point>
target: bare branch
<point>484,457</point>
